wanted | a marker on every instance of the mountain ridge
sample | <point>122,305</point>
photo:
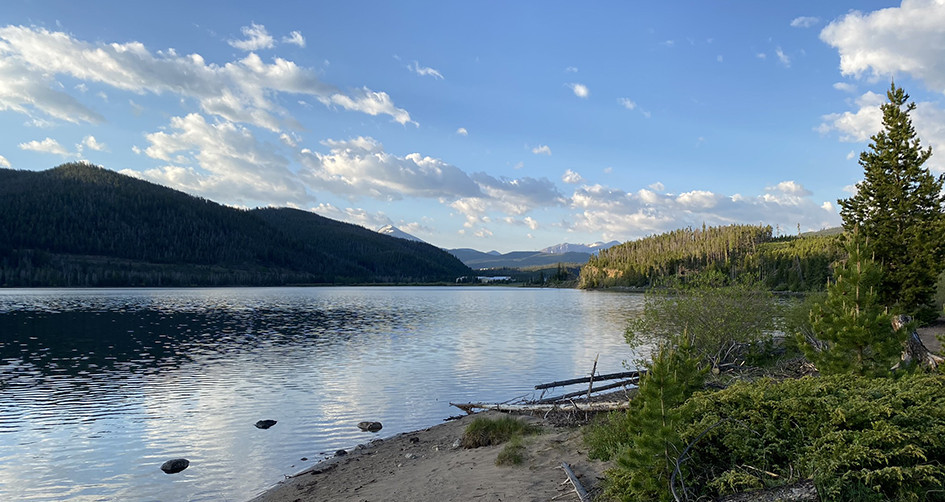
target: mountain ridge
<point>83,225</point>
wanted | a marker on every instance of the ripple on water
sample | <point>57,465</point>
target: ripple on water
<point>98,387</point>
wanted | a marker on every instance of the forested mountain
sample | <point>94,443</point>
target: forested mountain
<point>82,225</point>
<point>800,263</point>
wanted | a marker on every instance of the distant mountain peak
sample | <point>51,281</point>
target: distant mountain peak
<point>393,231</point>
<point>579,248</point>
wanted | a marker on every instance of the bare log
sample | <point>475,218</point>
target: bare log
<point>578,488</point>
<point>572,406</point>
<point>609,376</point>
<point>602,388</point>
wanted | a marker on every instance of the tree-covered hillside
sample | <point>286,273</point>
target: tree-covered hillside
<point>82,225</point>
<point>785,263</point>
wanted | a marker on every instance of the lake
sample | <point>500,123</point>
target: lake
<point>99,387</point>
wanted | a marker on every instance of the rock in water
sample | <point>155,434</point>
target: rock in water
<point>265,424</point>
<point>370,426</point>
<point>175,466</point>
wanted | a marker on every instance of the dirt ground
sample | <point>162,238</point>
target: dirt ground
<point>425,466</point>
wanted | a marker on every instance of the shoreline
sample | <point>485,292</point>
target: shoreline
<point>427,465</point>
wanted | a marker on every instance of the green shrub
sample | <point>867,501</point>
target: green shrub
<point>724,323</point>
<point>485,431</point>
<point>513,453</point>
<point>857,438</point>
<point>607,434</point>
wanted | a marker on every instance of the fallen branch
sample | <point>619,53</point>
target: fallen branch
<point>578,488</point>
<point>562,397</point>
<point>609,376</point>
<point>602,406</point>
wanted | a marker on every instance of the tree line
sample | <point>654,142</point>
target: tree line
<point>799,263</point>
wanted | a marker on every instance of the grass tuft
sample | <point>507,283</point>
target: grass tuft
<point>488,431</point>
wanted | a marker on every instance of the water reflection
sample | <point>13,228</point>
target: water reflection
<point>98,388</point>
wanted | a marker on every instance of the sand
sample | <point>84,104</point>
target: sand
<point>426,466</point>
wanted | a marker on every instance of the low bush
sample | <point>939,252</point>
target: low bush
<point>857,438</point>
<point>485,431</point>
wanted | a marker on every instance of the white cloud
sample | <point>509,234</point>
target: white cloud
<point>659,187</point>
<point>357,216</point>
<point>531,223</point>
<point>761,55</point>
<point>222,161</point>
<point>907,39</point>
<point>92,144</point>
<point>571,69</point>
<point>245,90</point>
<point>462,131</point>
<point>783,58</point>
<point>627,103</point>
<point>623,215</point>
<point>804,21</point>
<point>542,150</point>
<point>47,145</point>
<point>424,71</point>
<point>580,90</point>
<point>858,125</point>
<point>4,162</point>
<point>256,38</point>
<point>844,86</point>
<point>571,177</point>
<point>719,58</point>
<point>294,38</point>
<point>371,103</point>
<point>360,167</point>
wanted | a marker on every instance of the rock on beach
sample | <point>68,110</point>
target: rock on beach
<point>370,426</point>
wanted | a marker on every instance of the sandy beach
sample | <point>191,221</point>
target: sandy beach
<point>428,466</point>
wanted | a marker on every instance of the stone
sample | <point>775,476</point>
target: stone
<point>370,426</point>
<point>265,424</point>
<point>175,466</point>
<point>340,453</point>
<point>456,444</point>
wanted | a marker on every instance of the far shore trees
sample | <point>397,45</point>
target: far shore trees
<point>898,209</point>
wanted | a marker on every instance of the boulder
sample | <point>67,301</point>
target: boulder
<point>340,453</point>
<point>175,466</point>
<point>370,426</point>
<point>265,424</point>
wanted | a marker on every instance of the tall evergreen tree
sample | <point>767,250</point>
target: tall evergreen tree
<point>898,207</point>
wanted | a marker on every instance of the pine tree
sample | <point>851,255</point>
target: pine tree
<point>643,468</point>
<point>853,331</point>
<point>898,207</point>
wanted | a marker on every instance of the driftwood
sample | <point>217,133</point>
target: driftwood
<point>602,388</point>
<point>571,406</point>
<point>578,488</point>
<point>915,350</point>
<point>609,376</point>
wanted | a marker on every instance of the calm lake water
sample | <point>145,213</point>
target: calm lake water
<point>99,387</point>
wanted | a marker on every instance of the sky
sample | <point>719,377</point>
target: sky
<point>487,125</point>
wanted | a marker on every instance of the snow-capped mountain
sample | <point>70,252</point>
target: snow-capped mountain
<point>579,248</point>
<point>393,231</point>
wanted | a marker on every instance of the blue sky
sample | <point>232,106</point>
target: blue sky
<point>490,125</point>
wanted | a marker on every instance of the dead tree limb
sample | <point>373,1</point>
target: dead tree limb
<point>578,488</point>
<point>609,376</point>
